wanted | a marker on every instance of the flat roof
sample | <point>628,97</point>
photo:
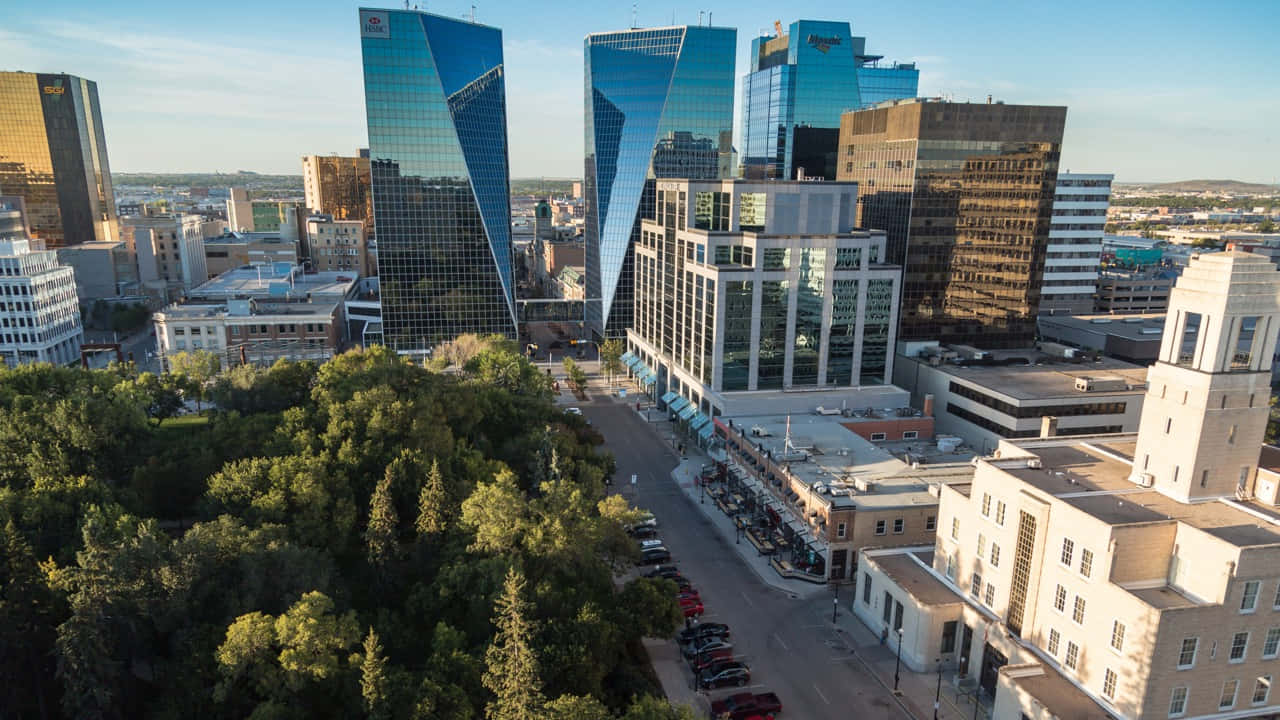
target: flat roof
<point>1059,696</point>
<point>1046,378</point>
<point>1129,327</point>
<point>1269,458</point>
<point>1163,597</point>
<point>256,281</point>
<point>196,311</point>
<point>907,573</point>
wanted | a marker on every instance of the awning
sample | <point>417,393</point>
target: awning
<point>678,403</point>
<point>671,395</point>
<point>688,412</point>
<point>698,421</point>
<point>630,361</point>
<point>706,430</point>
<point>650,379</point>
<point>627,356</point>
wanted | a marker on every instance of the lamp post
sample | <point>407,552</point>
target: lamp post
<point>897,664</point>
<point>937,695</point>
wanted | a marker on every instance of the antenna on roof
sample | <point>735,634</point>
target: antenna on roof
<point>633,15</point>
<point>473,14</point>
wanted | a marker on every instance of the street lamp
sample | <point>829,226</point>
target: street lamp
<point>835,605</point>
<point>937,695</point>
<point>897,665</point>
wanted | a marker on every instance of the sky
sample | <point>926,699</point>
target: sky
<point>1156,91</point>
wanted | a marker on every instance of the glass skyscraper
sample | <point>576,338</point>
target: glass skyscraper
<point>659,104</point>
<point>436,104</point>
<point>53,154</point>
<point>799,84</point>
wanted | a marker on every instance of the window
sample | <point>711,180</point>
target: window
<point>1060,599</point>
<point>931,523</point>
<point>1117,635</point>
<point>995,555</point>
<point>955,535</point>
<point>1086,562</point>
<point>1068,549</point>
<point>986,505</point>
<point>1187,654</point>
<point>1249,599</point>
<point>1239,647</point>
<point>1243,356</point>
<point>1000,512</point>
<point>982,545</point>
<point>990,597</point>
<point>975,585</point>
<point>1261,689</point>
<point>1178,702</point>
<point>1168,425</point>
<point>875,437</point>
<point>1073,654</point>
<point>1190,336</point>
<point>1077,612</point>
<point>949,636</point>
<point>879,527</point>
<point>1228,698</point>
<point>1275,602</point>
<point>910,434</point>
<point>866,589</point>
<point>887,615</point>
<point>1271,644</point>
<point>1054,639</point>
<point>1108,683</point>
<point>951,568</point>
<point>840,530</point>
<point>898,526</point>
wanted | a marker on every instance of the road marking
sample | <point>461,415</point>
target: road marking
<point>747,599</point>
<point>784,645</point>
<point>819,691</point>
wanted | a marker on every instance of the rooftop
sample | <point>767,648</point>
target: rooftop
<point>1146,327</point>
<point>1042,377</point>
<point>197,311</point>
<point>908,573</point>
<point>277,280</point>
<point>1057,695</point>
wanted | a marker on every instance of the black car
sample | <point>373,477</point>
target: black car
<point>706,644</point>
<point>668,572</point>
<point>682,583</point>
<point>705,630</point>
<point>655,555</point>
<point>730,672</point>
<point>644,533</point>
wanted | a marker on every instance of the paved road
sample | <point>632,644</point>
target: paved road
<point>788,643</point>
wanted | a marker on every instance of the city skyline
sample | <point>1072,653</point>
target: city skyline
<point>241,96</point>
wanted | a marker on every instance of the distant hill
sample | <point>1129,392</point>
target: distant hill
<point>1231,187</point>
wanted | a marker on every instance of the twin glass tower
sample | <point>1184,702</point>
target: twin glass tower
<point>658,104</point>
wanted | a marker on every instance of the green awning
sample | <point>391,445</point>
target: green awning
<point>698,421</point>
<point>671,395</point>
<point>678,403</point>
<point>688,412</point>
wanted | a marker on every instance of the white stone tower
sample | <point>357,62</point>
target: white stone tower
<point>1206,407</point>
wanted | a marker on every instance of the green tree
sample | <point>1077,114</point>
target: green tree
<point>648,607</point>
<point>651,707</point>
<point>1267,226</point>
<point>611,357</point>
<point>382,533</point>
<point>497,512</point>
<point>513,674</point>
<point>373,678</point>
<point>194,370</point>
<point>28,614</point>
<point>433,504</point>
<point>577,377</point>
<point>574,707</point>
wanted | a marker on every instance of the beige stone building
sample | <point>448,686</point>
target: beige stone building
<point>1128,575</point>
<point>339,246</point>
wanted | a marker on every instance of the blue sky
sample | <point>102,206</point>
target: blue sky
<point>1156,90</point>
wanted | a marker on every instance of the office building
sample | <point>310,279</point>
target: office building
<point>53,154</point>
<point>339,186</point>
<point>170,252</point>
<point>232,250</point>
<point>1129,576</point>
<point>39,310</point>
<point>659,104</point>
<point>435,95</point>
<point>756,286</point>
<point>1074,253</point>
<point>964,193</point>
<point>245,215</point>
<point>13,218</point>
<point>1122,292</point>
<point>103,270</point>
<point>339,246</point>
<point>799,84</point>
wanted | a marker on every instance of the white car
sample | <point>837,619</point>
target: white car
<point>573,411</point>
<point>646,544</point>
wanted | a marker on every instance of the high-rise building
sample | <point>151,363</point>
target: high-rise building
<point>170,252</point>
<point>758,286</point>
<point>659,104</point>
<point>1133,575</point>
<point>53,154</point>
<point>41,315</point>
<point>799,84</point>
<point>965,194</point>
<point>1075,243</point>
<point>338,186</point>
<point>435,95</point>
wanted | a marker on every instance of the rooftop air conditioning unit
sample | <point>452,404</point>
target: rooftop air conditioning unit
<point>862,485</point>
<point>1143,479</point>
<point>1035,463</point>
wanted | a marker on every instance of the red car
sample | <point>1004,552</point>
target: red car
<point>689,594</point>
<point>704,661</point>
<point>745,706</point>
<point>691,608</point>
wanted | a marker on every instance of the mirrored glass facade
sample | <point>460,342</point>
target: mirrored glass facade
<point>53,154</point>
<point>436,104</point>
<point>798,86</point>
<point>964,193</point>
<point>659,104</point>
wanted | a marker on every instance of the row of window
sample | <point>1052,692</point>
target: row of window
<point>1033,411</point>
<point>1226,699</point>
<point>900,525</point>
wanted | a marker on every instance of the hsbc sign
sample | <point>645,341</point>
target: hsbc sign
<point>374,24</point>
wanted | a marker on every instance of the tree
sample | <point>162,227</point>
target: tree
<point>650,707</point>
<point>194,370</point>
<point>577,377</point>
<point>611,357</point>
<point>512,673</point>
<point>373,678</point>
<point>574,707</point>
<point>433,504</point>
<point>1267,226</point>
<point>381,534</point>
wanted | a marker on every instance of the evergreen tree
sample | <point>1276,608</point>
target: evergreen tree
<point>373,678</point>
<point>512,673</point>
<point>432,504</point>
<point>380,535</point>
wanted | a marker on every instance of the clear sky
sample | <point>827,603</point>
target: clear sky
<point>1156,90</point>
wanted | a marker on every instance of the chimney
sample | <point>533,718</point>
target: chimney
<point>988,99</point>
<point>1048,426</point>
<point>928,405</point>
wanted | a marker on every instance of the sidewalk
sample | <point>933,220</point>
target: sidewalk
<point>669,665</point>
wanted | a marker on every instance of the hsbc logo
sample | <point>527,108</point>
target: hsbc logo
<point>373,24</point>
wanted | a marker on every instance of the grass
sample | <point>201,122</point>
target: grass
<point>184,421</point>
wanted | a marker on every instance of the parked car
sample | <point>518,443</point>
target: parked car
<point>643,532</point>
<point>691,608</point>
<point>650,543</point>
<point>574,411</point>
<point>731,672</point>
<point>647,521</point>
<point>688,594</point>
<point>711,643</point>
<point>705,630</point>
<point>710,658</point>
<point>746,705</point>
<point>655,555</point>
<point>682,582</point>
<point>668,572</point>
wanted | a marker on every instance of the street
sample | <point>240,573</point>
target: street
<point>788,643</point>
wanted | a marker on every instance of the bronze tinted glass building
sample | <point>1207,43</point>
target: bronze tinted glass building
<point>339,186</point>
<point>53,154</point>
<point>964,193</point>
